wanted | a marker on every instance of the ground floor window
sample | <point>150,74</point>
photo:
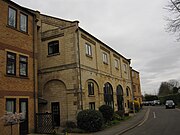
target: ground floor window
<point>11,105</point>
<point>92,105</point>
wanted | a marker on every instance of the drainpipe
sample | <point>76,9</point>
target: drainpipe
<point>132,90</point>
<point>80,79</point>
<point>34,70</point>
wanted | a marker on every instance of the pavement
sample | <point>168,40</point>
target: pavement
<point>137,119</point>
<point>124,126</point>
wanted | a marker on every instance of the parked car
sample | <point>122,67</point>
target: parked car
<point>169,104</point>
<point>156,102</point>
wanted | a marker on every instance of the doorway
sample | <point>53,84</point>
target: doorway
<point>55,109</point>
<point>23,108</point>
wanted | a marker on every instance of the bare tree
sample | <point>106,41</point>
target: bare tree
<point>174,19</point>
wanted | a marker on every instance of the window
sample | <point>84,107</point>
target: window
<point>23,66</point>
<point>11,64</point>
<point>108,95</point>
<point>125,68</point>
<point>133,74</point>
<point>88,50</point>
<point>23,22</point>
<point>53,47</point>
<point>11,105</point>
<point>90,88</point>
<point>92,105</point>
<point>127,92</point>
<point>116,63</point>
<point>105,58</point>
<point>12,17</point>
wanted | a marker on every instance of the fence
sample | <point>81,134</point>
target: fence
<point>44,123</point>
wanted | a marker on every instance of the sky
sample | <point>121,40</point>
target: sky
<point>134,28</point>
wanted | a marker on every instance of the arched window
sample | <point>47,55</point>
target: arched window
<point>120,100</point>
<point>108,95</point>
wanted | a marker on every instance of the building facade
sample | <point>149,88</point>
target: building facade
<point>136,86</point>
<point>58,66</point>
<point>77,71</point>
<point>18,76</point>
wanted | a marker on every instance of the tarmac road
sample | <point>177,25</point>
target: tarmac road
<point>160,121</point>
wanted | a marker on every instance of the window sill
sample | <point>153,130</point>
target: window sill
<point>105,63</point>
<point>91,95</point>
<point>90,56</point>
<point>50,55</point>
<point>14,76</point>
<point>15,28</point>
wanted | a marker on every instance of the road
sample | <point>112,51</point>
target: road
<point>160,121</point>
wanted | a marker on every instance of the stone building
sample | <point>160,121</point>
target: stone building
<point>136,87</point>
<point>18,76</point>
<point>78,71</point>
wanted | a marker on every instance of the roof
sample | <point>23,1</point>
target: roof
<point>18,6</point>
<point>129,60</point>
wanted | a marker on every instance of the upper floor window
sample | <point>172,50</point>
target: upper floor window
<point>53,47</point>
<point>125,68</point>
<point>116,63</point>
<point>88,50</point>
<point>11,105</point>
<point>133,74</point>
<point>11,63</point>
<point>105,58</point>
<point>23,65</point>
<point>12,17</point>
<point>90,88</point>
<point>23,22</point>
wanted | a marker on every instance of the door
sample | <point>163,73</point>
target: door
<point>56,113</point>
<point>23,108</point>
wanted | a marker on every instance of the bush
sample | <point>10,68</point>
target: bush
<point>107,112</point>
<point>120,113</point>
<point>90,120</point>
<point>116,117</point>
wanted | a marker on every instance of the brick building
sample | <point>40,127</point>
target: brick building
<point>136,87</point>
<point>71,69</point>
<point>18,76</point>
<point>78,71</point>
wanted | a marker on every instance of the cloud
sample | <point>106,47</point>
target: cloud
<point>136,29</point>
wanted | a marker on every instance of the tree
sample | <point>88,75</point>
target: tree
<point>150,97</point>
<point>164,89</point>
<point>174,20</point>
<point>170,87</point>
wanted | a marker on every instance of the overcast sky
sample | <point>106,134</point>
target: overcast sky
<point>134,28</point>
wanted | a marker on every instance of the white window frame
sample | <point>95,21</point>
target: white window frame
<point>12,17</point>
<point>23,22</point>
<point>125,68</point>
<point>105,58</point>
<point>88,49</point>
<point>116,63</point>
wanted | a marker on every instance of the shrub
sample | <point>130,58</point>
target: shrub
<point>90,120</point>
<point>120,113</point>
<point>107,112</point>
<point>116,117</point>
